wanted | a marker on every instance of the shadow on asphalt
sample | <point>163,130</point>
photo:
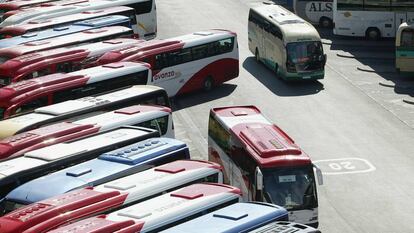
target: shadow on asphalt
<point>192,99</point>
<point>277,85</point>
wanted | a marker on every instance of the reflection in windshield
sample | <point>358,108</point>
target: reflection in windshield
<point>305,56</point>
<point>292,188</point>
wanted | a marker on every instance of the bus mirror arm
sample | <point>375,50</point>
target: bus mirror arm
<point>318,174</point>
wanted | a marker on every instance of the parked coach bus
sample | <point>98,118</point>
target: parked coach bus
<point>30,94</point>
<point>160,212</point>
<point>110,196</point>
<point>43,24</point>
<point>236,218</point>
<point>282,226</point>
<point>263,161</point>
<point>125,161</point>
<point>285,43</point>
<point>89,36</point>
<point>63,60</point>
<point>186,63</point>
<point>371,19</point>
<point>17,145</point>
<point>315,11</point>
<point>54,33</point>
<point>38,162</point>
<point>404,48</point>
<point>145,14</point>
<point>80,108</point>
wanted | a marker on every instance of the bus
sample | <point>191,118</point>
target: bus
<point>24,96</point>
<point>64,60</point>
<point>371,19</point>
<point>285,43</point>
<point>39,25</point>
<point>263,161</point>
<point>84,107</point>
<point>110,196</point>
<point>19,144</point>
<point>236,218</point>
<point>183,64</point>
<point>160,212</point>
<point>315,11</point>
<point>124,161</point>
<point>145,14</point>
<point>404,48</point>
<point>85,37</point>
<point>283,226</point>
<point>106,21</point>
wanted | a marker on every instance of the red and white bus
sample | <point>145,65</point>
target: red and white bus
<point>109,196</point>
<point>145,13</point>
<point>186,63</point>
<point>42,24</point>
<point>263,161</point>
<point>84,107</point>
<point>84,37</point>
<point>63,60</point>
<point>19,144</point>
<point>159,213</point>
<point>27,95</point>
<point>18,4</point>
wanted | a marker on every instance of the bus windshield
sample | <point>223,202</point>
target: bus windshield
<point>306,56</point>
<point>292,188</point>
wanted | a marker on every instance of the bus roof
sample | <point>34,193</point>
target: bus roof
<point>267,143</point>
<point>64,30</point>
<point>124,161</point>
<point>116,193</point>
<point>18,65</point>
<point>48,23</point>
<point>53,82</point>
<point>64,110</point>
<point>235,218</point>
<point>31,140</point>
<point>157,46</point>
<point>294,28</point>
<point>16,4</point>
<point>75,38</point>
<point>159,211</point>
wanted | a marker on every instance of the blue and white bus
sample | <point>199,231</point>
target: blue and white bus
<point>161,212</point>
<point>108,166</point>
<point>111,196</point>
<point>236,218</point>
<point>112,20</point>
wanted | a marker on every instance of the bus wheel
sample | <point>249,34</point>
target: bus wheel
<point>256,55</point>
<point>208,83</point>
<point>373,34</point>
<point>325,22</point>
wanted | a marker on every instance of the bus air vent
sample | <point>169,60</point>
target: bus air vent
<point>231,215</point>
<point>239,113</point>
<point>79,172</point>
<point>58,29</point>
<point>134,214</point>
<point>28,35</point>
<point>120,186</point>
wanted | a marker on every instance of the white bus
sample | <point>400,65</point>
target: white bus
<point>161,212</point>
<point>84,107</point>
<point>145,14</point>
<point>285,43</point>
<point>111,196</point>
<point>372,19</point>
<point>187,63</point>
<point>315,11</point>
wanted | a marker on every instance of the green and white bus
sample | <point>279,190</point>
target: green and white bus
<point>404,48</point>
<point>285,43</point>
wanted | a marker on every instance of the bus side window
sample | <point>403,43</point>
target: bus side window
<point>44,72</point>
<point>161,61</point>
<point>276,32</point>
<point>226,45</point>
<point>28,106</point>
<point>65,67</point>
<point>199,52</point>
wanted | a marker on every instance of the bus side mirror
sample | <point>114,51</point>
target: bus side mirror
<point>318,172</point>
<point>259,179</point>
<point>325,57</point>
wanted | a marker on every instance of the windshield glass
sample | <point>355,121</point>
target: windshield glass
<point>306,56</point>
<point>4,81</point>
<point>292,188</point>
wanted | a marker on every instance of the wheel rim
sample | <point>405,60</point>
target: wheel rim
<point>373,34</point>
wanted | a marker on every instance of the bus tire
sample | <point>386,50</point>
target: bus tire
<point>256,55</point>
<point>208,83</point>
<point>373,34</point>
<point>325,22</point>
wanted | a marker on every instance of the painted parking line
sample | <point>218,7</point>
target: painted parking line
<point>344,166</point>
